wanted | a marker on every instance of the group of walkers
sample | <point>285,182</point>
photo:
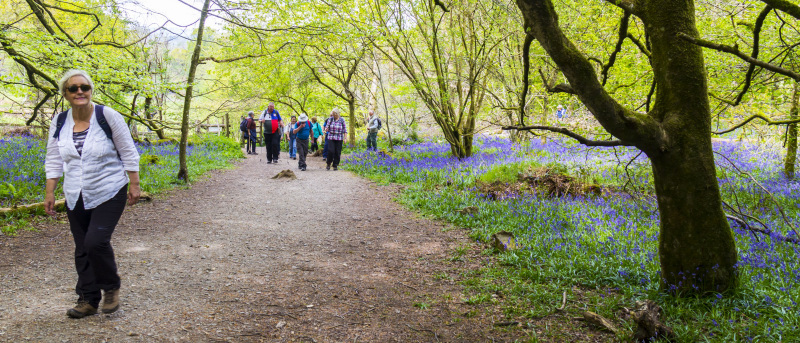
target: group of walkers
<point>303,135</point>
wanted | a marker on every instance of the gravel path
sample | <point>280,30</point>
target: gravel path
<point>241,257</point>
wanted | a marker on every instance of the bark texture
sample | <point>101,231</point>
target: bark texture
<point>696,246</point>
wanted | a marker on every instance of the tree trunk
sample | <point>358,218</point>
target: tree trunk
<point>696,246</point>
<point>183,171</point>
<point>351,106</point>
<point>227,124</point>
<point>791,136</point>
<point>148,101</point>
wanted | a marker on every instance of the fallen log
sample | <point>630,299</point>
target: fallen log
<point>60,206</point>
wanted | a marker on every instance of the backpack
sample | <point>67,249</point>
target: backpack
<point>243,125</point>
<point>98,113</point>
<point>380,124</point>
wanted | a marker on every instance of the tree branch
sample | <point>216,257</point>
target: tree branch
<point>785,6</point>
<point>754,54</point>
<point>639,44</point>
<point>225,60</point>
<point>526,66</point>
<point>567,132</point>
<point>734,50</point>
<point>623,33</point>
<point>757,116</point>
<point>559,88</point>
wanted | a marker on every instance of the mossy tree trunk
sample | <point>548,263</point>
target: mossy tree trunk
<point>791,136</point>
<point>183,169</point>
<point>696,246</point>
<point>351,107</point>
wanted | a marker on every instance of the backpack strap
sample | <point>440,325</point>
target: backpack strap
<point>101,119</point>
<point>62,117</point>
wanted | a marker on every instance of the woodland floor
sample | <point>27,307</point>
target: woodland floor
<point>241,257</point>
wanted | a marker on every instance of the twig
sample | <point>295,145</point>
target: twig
<point>511,323</point>
<point>423,330</point>
<point>563,301</point>
<point>408,286</point>
<point>780,209</point>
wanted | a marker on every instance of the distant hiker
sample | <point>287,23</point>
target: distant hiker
<point>561,112</point>
<point>302,132</point>
<point>251,134</point>
<point>317,129</point>
<point>271,125</point>
<point>243,129</point>
<point>291,137</point>
<point>325,140</point>
<point>373,126</point>
<point>91,147</point>
<point>336,135</point>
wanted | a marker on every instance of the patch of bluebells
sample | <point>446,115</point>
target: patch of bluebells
<point>610,240</point>
<point>22,165</point>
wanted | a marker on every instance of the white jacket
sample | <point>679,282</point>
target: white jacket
<point>100,172</point>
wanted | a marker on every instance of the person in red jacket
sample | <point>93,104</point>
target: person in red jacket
<point>271,123</point>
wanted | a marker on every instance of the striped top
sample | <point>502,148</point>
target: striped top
<point>78,138</point>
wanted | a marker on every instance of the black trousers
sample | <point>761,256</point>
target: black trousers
<point>94,256</point>
<point>302,151</point>
<point>273,143</point>
<point>334,152</point>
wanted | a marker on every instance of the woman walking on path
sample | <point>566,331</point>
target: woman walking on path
<point>91,146</point>
<point>317,129</point>
<point>336,136</point>
<point>291,137</point>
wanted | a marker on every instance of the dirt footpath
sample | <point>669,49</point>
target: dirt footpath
<point>241,257</point>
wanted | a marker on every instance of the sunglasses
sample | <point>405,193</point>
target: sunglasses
<point>74,88</point>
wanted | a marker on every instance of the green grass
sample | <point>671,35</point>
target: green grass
<point>158,170</point>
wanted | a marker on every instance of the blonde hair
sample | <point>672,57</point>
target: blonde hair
<point>62,84</point>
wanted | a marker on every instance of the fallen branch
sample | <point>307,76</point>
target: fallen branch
<point>563,301</point>
<point>764,231</point>
<point>599,320</point>
<point>60,206</point>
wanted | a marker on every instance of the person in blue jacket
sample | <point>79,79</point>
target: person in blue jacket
<point>302,131</point>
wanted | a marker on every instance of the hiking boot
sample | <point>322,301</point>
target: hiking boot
<point>328,168</point>
<point>110,301</point>
<point>335,168</point>
<point>82,309</point>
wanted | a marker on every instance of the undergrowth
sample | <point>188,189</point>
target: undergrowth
<point>603,250</point>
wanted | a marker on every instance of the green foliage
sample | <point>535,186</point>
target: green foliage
<point>506,172</point>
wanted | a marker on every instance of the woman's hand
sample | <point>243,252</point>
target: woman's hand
<point>50,204</point>
<point>133,188</point>
<point>50,196</point>
<point>133,193</point>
